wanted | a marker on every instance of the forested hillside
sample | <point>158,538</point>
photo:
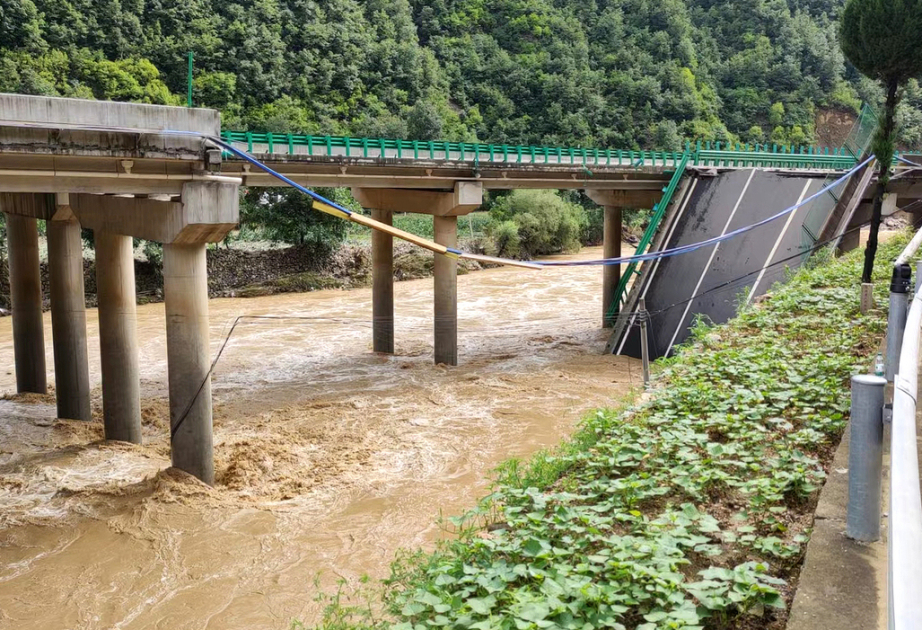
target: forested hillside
<point>611,73</point>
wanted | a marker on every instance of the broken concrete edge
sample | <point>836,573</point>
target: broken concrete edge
<point>22,109</point>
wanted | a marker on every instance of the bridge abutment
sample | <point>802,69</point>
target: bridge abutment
<point>26,296</point>
<point>382,290</point>
<point>118,336</point>
<point>445,270</point>
<point>185,293</point>
<point>68,314</point>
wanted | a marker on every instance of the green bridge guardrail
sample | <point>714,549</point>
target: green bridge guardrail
<point>703,154</point>
<point>659,211</point>
<point>344,146</point>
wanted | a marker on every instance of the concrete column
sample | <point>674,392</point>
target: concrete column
<point>185,293</point>
<point>118,337</point>
<point>68,319</point>
<point>26,295</point>
<point>446,293</point>
<point>382,291</point>
<point>611,248</point>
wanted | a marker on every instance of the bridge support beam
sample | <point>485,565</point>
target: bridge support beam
<point>382,291</point>
<point>68,315</point>
<point>185,294</point>
<point>118,337</point>
<point>446,292</point>
<point>26,295</point>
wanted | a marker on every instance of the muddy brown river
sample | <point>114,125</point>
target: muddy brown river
<point>329,458</point>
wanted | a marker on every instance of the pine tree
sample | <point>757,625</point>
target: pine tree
<point>883,40</point>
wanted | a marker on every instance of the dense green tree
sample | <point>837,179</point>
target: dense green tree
<point>545,223</point>
<point>285,215</point>
<point>883,40</point>
<point>609,73</point>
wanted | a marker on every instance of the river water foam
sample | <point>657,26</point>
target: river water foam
<point>329,458</point>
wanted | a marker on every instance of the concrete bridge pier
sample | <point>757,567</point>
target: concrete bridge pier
<point>205,213</point>
<point>445,310</point>
<point>611,274</point>
<point>382,289</point>
<point>68,312</point>
<point>445,208</point>
<point>118,336</point>
<point>185,295</point>
<point>613,203</point>
<point>25,292</point>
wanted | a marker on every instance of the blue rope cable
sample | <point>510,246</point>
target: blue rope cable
<point>249,158</point>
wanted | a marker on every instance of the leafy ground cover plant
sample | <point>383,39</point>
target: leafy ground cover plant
<point>688,510</point>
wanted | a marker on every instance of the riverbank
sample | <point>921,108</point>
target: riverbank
<point>690,509</point>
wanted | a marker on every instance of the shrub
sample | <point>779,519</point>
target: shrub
<point>593,231</point>
<point>546,223</point>
<point>285,215</point>
<point>506,242</point>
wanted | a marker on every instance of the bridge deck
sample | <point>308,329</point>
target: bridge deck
<point>385,163</point>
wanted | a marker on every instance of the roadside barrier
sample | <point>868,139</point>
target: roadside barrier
<point>866,450</point>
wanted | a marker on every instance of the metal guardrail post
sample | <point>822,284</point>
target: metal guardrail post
<point>865,457</point>
<point>896,318</point>
<point>644,343</point>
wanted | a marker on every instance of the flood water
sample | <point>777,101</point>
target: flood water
<point>329,458</point>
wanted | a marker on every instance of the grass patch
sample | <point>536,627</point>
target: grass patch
<point>689,510</point>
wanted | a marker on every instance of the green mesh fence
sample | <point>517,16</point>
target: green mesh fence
<point>856,144</point>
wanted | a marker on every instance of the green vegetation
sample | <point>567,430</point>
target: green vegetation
<point>609,73</point>
<point>882,39</point>
<point>285,215</point>
<point>688,510</point>
<point>530,223</point>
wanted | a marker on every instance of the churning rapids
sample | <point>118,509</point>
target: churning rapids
<point>329,458</point>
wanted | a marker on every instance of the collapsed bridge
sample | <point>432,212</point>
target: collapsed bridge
<point>172,176</point>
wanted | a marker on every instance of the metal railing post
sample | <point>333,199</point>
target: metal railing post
<point>865,457</point>
<point>644,343</point>
<point>896,318</point>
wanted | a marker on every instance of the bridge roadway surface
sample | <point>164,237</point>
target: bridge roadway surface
<point>713,206</point>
